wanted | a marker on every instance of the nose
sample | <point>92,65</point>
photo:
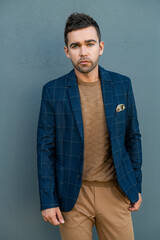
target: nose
<point>83,51</point>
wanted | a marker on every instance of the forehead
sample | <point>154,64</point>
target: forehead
<point>82,35</point>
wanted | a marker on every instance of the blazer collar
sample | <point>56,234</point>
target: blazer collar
<point>72,79</point>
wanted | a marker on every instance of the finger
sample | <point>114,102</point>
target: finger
<point>60,217</point>
<point>133,207</point>
<point>45,219</point>
<point>53,220</point>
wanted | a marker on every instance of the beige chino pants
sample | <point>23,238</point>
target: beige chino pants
<point>102,204</point>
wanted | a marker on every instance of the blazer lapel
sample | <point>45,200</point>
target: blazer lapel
<point>107,93</point>
<point>74,97</point>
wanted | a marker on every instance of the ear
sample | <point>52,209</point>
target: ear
<point>101,47</point>
<point>66,51</point>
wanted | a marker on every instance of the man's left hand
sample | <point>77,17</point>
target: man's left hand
<point>135,206</point>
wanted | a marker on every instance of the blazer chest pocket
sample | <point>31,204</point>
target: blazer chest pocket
<point>120,113</point>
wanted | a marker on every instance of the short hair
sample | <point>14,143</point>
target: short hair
<point>79,21</point>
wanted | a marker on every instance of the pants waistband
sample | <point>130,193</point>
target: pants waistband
<point>100,184</point>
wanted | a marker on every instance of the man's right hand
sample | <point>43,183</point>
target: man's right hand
<point>52,215</point>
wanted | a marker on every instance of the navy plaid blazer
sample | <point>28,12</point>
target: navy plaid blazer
<point>60,139</point>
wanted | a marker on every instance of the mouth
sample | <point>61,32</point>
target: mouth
<point>84,62</point>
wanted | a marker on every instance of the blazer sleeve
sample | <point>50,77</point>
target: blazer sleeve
<point>133,137</point>
<point>46,152</point>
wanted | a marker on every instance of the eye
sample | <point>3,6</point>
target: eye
<point>74,46</point>
<point>90,44</point>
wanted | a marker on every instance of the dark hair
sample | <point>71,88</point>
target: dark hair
<point>79,21</point>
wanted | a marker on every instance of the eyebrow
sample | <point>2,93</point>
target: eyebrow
<point>86,41</point>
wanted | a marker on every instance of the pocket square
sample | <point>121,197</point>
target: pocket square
<point>120,107</point>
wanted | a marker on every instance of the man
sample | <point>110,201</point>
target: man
<point>88,143</point>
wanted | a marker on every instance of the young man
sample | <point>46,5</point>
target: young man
<point>89,143</point>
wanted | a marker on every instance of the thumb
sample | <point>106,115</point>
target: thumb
<point>59,215</point>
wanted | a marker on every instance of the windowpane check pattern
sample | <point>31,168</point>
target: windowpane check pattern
<point>60,138</point>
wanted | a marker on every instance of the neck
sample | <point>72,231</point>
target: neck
<point>88,77</point>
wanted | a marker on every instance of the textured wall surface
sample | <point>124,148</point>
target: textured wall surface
<point>31,53</point>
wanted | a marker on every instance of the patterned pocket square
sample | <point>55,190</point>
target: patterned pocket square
<point>120,107</point>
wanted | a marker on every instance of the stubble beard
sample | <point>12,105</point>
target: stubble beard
<point>85,68</point>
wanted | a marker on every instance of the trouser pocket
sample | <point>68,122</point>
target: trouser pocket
<point>121,194</point>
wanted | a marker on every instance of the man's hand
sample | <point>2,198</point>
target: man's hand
<point>52,215</point>
<point>135,206</point>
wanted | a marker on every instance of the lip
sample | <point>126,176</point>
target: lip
<point>84,62</point>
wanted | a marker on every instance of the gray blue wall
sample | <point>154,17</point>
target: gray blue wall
<point>31,53</point>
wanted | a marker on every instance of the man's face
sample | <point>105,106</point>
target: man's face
<point>84,49</point>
